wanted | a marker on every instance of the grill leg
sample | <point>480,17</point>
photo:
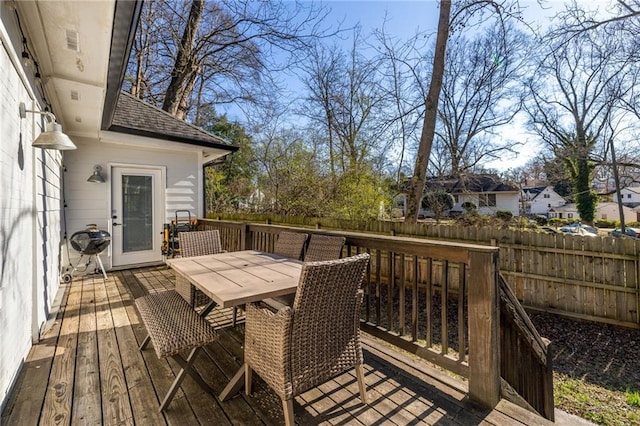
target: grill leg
<point>101,266</point>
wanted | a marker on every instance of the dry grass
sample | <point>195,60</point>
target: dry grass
<point>596,369</point>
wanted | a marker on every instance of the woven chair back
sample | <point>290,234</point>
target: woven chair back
<point>290,244</point>
<point>325,330</point>
<point>324,247</point>
<point>199,243</point>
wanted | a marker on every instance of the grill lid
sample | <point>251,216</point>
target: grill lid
<point>91,240</point>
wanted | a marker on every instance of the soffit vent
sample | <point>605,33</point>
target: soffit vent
<point>73,40</point>
<point>75,96</point>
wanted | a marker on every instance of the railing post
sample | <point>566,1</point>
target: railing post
<point>245,237</point>
<point>484,328</point>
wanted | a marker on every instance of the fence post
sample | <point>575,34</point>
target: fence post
<point>484,328</point>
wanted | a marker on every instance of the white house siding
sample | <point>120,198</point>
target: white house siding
<point>504,201</point>
<point>509,201</point>
<point>541,205</point>
<point>89,202</point>
<point>629,195</point>
<point>610,211</point>
<point>29,218</point>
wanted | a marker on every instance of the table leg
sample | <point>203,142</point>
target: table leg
<point>208,308</point>
<point>234,386</point>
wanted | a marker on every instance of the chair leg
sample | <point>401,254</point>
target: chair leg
<point>145,342</point>
<point>287,406</point>
<point>362,386</point>
<point>247,379</point>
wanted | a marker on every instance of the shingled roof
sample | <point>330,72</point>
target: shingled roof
<point>471,183</point>
<point>136,117</point>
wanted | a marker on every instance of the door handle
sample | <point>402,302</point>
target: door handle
<point>116,224</point>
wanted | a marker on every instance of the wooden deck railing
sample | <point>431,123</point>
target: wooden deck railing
<point>438,300</point>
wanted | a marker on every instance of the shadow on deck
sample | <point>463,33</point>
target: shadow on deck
<point>87,369</point>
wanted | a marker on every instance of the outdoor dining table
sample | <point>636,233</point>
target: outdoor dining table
<point>236,278</point>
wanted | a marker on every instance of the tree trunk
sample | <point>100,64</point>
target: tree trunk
<point>182,78</point>
<point>416,186</point>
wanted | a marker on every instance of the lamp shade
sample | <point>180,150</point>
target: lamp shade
<point>53,138</point>
<point>96,177</point>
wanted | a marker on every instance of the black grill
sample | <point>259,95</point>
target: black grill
<point>89,242</point>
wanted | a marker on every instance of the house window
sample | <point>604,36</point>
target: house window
<point>487,200</point>
<point>569,215</point>
<point>456,199</point>
<point>546,196</point>
<point>628,195</point>
<point>549,205</point>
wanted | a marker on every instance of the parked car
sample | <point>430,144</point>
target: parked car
<point>571,228</point>
<point>579,229</point>
<point>629,232</point>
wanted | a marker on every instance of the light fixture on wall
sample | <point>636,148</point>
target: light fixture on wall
<point>96,177</point>
<point>52,138</point>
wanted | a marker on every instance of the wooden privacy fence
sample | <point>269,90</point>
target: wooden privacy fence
<point>592,278</point>
<point>439,300</point>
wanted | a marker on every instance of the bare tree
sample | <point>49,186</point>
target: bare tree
<point>483,9</point>
<point>579,83</point>
<point>231,48</point>
<point>402,66</point>
<point>481,92</point>
<point>345,99</point>
<point>577,20</point>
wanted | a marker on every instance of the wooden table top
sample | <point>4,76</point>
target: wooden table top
<point>239,277</point>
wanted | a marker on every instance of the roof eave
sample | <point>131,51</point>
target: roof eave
<point>173,138</point>
<point>125,22</point>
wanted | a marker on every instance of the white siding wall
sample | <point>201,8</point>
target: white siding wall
<point>628,196</point>
<point>508,201</point>
<point>29,219</point>
<point>541,205</point>
<point>89,202</point>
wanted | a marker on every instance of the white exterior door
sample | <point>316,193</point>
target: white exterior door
<point>137,215</point>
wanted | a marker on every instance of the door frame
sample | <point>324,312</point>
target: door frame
<point>160,217</point>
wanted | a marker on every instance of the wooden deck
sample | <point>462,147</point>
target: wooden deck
<point>88,370</point>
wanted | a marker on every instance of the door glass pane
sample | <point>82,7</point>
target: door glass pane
<point>137,217</point>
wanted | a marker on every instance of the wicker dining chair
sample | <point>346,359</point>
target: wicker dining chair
<point>324,247</point>
<point>298,348</point>
<point>290,244</point>
<point>196,243</point>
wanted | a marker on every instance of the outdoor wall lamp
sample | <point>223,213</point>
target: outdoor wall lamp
<point>52,138</point>
<point>96,177</point>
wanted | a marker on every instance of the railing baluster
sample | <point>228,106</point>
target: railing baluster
<point>402,288</point>
<point>444,308</point>
<point>429,310</point>
<point>390,281</point>
<point>414,300</point>
<point>378,280</point>
<point>462,278</point>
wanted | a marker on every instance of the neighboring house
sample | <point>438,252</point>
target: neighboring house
<point>151,162</point>
<point>604,211</point>
<point>610,211</point>
<point>539,200</point>
<point>487,192</point>
<point>630,196</point>
<point>567,211</point>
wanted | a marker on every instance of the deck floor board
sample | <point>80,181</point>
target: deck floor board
<point>88,370</point>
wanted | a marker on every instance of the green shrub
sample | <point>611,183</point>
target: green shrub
<point>633,398</point>
<point>606,223</point>
<point>541,220</point>
<point>505,215</point>
<point>469,207</point>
